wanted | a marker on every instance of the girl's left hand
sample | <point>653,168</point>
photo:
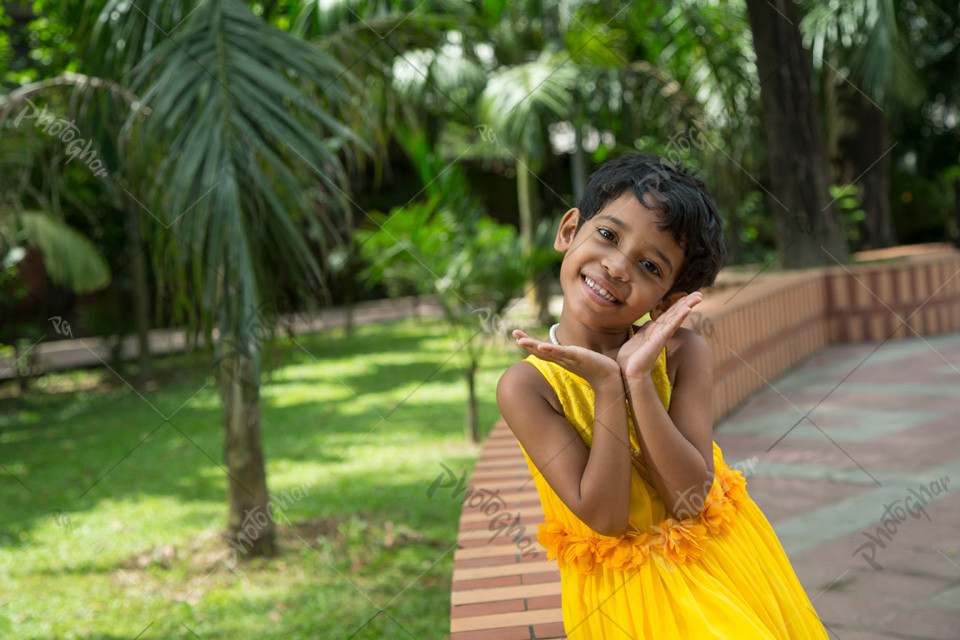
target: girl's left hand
<point>638,354</point>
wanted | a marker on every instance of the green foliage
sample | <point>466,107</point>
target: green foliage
<point>233,136</point>
<point>926,204</point>
<point>849,205</point>
<point>866,37</point>
<point>519,102</point>
<point>42,48</point>
<point>6,49</point>
<point>446,246</point>
<point>327,17</point>
<point>470,262</point>
<point>756,229</point>
<point>70,259</point>
<point>444,78</point>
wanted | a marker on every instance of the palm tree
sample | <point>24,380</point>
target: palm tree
<point>245,145</point>
<point>519,103</point>
<point>866,38</point>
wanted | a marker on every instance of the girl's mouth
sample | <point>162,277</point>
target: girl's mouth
<point>598,293</point>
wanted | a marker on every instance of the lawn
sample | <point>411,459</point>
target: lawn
<point>113,500</point>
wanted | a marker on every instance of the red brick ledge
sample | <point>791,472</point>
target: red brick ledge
<point>503,588</point>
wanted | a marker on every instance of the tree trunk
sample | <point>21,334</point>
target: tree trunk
<point>730,190</point>
<point>529,207</point>
<point>865,158</point>
<point>250,526</point>
<point>141,304</point>
<point>473,421</point>
<point>115,339</point>
<point>807,225</point>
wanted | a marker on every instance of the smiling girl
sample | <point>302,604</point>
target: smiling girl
<point>654,535</point>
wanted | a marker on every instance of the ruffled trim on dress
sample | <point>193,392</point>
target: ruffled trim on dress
<point>680,541</point>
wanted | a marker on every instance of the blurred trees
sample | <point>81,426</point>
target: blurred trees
<point>598,78</point>
<point>866,73</point>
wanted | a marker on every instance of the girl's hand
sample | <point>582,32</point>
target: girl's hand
<point>638,354</point>
<point>593,367</point>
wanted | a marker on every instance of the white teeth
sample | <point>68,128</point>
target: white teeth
<point>603,292</point>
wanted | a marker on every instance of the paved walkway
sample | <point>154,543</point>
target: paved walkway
<point>855,459</point>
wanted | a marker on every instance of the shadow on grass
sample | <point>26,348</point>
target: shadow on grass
<point>67,452</point>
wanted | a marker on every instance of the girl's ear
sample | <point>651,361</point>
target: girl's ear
<point>665,303</point>
<point>568,228</point>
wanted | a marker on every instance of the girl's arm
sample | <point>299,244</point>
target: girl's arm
<point>677,447</point>
<point>593,482</point>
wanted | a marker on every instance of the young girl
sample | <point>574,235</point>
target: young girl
<point>654,535</point>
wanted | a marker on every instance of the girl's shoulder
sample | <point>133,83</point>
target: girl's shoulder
<point>687,350</point>
<point>521,383</point>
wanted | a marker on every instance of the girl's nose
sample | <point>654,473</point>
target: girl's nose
<point>616,264</point>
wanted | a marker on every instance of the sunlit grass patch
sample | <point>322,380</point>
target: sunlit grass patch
<point>114,502</point>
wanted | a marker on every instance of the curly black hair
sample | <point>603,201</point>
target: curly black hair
<point>681,199</point>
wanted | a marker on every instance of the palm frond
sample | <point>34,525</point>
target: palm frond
<point>120,33</point>
<point>248,143</point>
<point>520,101</point>
<point>869,42</point>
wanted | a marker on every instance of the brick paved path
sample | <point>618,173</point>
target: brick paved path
<point>855,459</point>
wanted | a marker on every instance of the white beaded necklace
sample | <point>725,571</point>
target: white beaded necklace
<point>553,334</point>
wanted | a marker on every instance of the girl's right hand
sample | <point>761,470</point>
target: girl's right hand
<point>638,354</point>
<point>593,367</point>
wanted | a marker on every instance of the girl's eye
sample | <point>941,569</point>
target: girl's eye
<point>606,233</point>
<point>651,267</point>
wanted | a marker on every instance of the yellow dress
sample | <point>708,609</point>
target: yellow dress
<point>722,574</point>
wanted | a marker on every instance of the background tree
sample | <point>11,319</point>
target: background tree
<point>867,72</point>
<point>809,231</point>
<point>244,145</point>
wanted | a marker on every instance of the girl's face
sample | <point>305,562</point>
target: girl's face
<point>618,265</point>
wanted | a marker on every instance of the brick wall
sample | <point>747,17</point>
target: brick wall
<point>760,326</point>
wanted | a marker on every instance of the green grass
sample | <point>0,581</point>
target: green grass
<point>112,513</point>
